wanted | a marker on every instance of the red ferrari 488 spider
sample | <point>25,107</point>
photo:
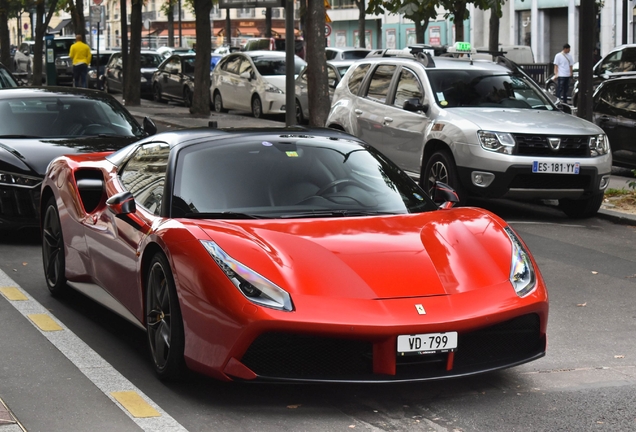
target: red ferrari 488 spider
<point>290,254</point>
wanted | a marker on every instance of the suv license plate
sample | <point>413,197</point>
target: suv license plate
<point>556,167</point>
<point>428,343</point>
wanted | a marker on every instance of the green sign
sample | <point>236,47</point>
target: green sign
<point>463,46</point>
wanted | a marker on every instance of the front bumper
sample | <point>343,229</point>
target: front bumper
<point>19,207</point>
<point>274,103</point>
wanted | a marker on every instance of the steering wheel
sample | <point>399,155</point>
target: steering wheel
<point>334,184</point>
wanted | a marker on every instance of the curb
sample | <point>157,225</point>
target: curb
<point>617,217</point>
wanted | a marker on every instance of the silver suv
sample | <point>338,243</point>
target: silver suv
<point>483,127</point>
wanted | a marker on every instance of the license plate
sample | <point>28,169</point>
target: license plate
<point>428,343</point>
<point>556,167</point>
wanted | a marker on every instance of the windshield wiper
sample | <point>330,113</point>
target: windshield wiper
<point>335,213</point>
<point>221,215</point>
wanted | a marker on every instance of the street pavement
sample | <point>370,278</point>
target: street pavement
<point>76,388</point>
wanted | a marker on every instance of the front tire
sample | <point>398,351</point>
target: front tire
<point>106,86</point>
<point>164,323</point>
<point>53,250</point>
<point>218,102</point>
<point>257,107</point>
<point>441,167</point>
<point>187,97</point>
<point>156,93</point>
<point>300,119</point>
<point>582,208</point>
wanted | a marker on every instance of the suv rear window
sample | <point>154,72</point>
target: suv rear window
<point>356,77</point>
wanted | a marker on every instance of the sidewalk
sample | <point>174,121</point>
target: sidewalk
<point>178,116</point>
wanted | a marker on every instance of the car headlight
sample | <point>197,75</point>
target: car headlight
<point>143,79</point>
<point>92,74</point>
<point>253,286</point>
<point>599,145</point>
<point>522,275</point>
<point>273,89</point>
<point>496,141</point>
<point>18,180</point>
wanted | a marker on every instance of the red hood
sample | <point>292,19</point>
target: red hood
<point>436,253</point>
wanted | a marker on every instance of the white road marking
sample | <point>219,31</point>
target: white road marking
<point>91,364</point>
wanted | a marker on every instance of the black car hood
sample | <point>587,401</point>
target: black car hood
<point>32,156</point>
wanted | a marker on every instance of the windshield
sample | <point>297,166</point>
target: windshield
<point>62,46</point>
<point>267,65</point>
<point>479,88</point>
<point>51,116</point>
<point>150,60</point>
<point>6,80</point>
<point>292,176</point>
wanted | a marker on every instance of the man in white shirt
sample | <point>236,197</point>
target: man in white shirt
<point>563,71</point>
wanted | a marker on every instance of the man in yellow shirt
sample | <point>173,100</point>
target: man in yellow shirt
<point>80,54</point>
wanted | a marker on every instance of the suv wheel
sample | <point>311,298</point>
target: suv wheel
<point>582,208</point>
<point>257,107</point>
<point>441,167</point>
<point>218,102</point>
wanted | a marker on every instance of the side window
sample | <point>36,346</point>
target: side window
<point>330,54</point>
<point>356,78</point>
<point>145,173</point>
<point>303,77</point>
<point>245,66</point>
<point>331,77</point>
<point>618,99</point>
<point>408,87</point>
<point>232,64</point>
<point>612,62</point>
<point>380,82</point>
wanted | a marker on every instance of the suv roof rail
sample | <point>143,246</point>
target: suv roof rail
<point>390,53</point>
<point>512,66</point>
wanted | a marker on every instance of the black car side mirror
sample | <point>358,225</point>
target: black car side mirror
<point>565,108</point>
<point>414,105</point>
<point>122,204</point>
<point>444,195</point>
<point>149,126</point>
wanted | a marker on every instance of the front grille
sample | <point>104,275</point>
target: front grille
<point>550,181</point>
<point>18,204</point>
<point>291,356</point>
<point>538,145</point>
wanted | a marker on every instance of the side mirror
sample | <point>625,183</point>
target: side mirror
<point>565,108</point>
<point>149,126</point>
<point>414,105</point>
<point>444,195</point>
<point>122,204</point>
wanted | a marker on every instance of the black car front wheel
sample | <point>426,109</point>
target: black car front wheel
<point>163,320</point>
<point>53,249</point>
<point>156,93</point>
<point>187,97</point>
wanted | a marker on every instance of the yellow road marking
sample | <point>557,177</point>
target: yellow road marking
<point>45,322</point>
<point>13,294</point>
<point>135,404</point>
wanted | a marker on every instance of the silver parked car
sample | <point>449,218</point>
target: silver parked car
<point>335,71</point>
<point>484,128</point>
<point>251,81</point>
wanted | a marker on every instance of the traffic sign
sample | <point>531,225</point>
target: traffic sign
<point>97,2</point>
<point>327,29</point>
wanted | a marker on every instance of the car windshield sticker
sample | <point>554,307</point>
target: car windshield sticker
<point>267,144</point>
<point>291,153</point>
<point>443,103</point>
<point>440,96</point>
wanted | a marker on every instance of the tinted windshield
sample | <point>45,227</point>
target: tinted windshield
<point>63,46</point>
<point>276,65</point>
<point>51,116</point>
<point>291,177</point>
<point>478,88</point>
<point>151,60</point>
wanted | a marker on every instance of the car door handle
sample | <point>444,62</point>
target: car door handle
<point>357,111</point>
<point>388,120</point>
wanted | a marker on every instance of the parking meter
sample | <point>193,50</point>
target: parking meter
<point>49,60</point>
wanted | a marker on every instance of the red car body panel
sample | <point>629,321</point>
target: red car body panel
<point>349,278</point>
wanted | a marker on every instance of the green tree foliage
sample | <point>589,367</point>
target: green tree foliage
<point>418,11</point>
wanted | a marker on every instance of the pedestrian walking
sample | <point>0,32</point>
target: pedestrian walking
<point>80,54</point>
<point>563,71</point>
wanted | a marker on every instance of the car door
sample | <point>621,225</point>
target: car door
<point>113,241</point>
<point>369,109</point>
<point>403,130</point>
<point>115,74</point>
<point>171,78</point>
<point>615,112</point>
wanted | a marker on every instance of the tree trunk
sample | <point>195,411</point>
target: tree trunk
<point>317,85</point>
<point>171,25</point>
<point>5,48</point>
<point>124,38</point>
<point>268,22</point>
<point>43,20</point>
<point>132,70</point>
<point>420,30</point>
<point>302,7</point>
<point>201,97</point>
<point>459,14</point>
<point>228,27</point>
<point>493,34</point>
<point>79,21</point>
<point>362,15</point>
<point>586,62</point>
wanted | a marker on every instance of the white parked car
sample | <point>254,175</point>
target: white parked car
<point>251,81</point>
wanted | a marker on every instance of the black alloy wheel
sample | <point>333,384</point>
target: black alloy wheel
<point>187,97</point>
<point>53,250</point>
<point>163,320</point>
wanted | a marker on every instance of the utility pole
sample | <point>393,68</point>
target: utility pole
<point>586,40</point>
